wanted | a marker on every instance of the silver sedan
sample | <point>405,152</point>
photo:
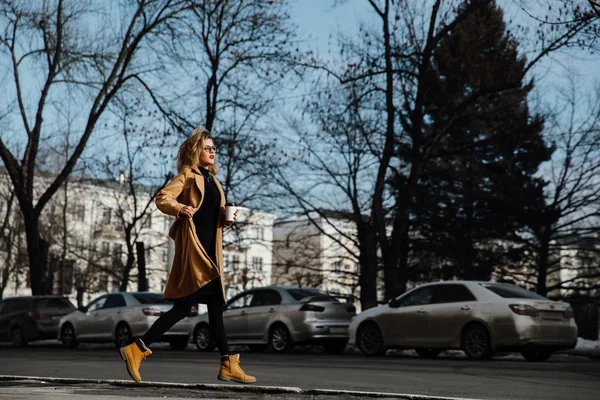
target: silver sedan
<point>478,317</point>
<point>280,317</point>
<point>120,318</point>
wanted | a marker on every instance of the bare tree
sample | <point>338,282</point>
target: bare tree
<point>569,217</point>
<point>54,44</point>
<point>238,55</point>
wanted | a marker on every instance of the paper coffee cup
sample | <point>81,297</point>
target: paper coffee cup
<point>230,209</point>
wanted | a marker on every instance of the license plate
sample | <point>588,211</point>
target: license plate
<point>338,330</point>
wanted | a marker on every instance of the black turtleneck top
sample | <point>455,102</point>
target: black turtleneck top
<point>206,218</point>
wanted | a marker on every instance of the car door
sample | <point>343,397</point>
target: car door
<point>404,323</point>
<point>452,307</point>
<point>263,307</point>
<point>108,316</point>
<point>86,327</point>
<point>235,316</point>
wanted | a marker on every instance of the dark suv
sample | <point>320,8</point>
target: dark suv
<point>28,318</point>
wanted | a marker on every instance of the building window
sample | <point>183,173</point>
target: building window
<point>235,262</point>
<point>105,249</point>
<point>260,233</point>
<point>225,262</point>
<point>165,257</point>
<point>148,222</point>
<point>336,267</point>
<point>257,263</point>
<point>117,250</point>
<point>78,212</point>
<point>106,214</point>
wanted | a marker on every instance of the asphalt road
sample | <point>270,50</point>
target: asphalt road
<point>563,377</point>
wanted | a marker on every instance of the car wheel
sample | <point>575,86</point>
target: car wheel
<point>370,340</point>
<point>428,353</point>
<point>335,346</point>
<point>476,342</point>
<point>179,343</point>
<point>18,337</point>
<point>536,355</point>
<point>67,336</point>
<point>280,338</point>
<point>257,348</point>
<point>202,338</point>
<point>123,335</point>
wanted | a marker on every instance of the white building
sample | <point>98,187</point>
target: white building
<point>321,253</point>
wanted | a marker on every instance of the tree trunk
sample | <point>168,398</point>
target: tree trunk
<point>542,267</point>
<point>37,251</point>
<point>368,269</point>
<point>141,258</point>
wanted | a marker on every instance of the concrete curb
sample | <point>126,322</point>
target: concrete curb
<point>223,388</point>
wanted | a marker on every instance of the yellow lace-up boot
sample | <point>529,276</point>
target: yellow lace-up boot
<point>231,371</point>
<point>133,357</point>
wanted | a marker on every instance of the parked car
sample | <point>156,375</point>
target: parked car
<point>280,317</point>
<point>28,318</point>
<point>121,317</point>
<point>478,317</point>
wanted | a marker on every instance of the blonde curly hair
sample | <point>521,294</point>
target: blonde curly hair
<point>190,149</point>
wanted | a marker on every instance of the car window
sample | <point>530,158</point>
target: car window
<point>150,298</point>
<point>97,304</point>
<point>54,303</point>
<point>418,297</point>
<point>243,300</point>
<point>303,293</point>
<point>509,291</point>
<point>452,293</point>
<point>15,305</point>
<point>113,301</point>
<point>265,298</point>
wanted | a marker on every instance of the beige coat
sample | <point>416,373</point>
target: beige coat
<point>192,267</point>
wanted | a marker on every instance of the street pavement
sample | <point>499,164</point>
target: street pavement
<point>303,374</point>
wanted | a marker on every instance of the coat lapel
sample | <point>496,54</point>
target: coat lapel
<point>200,185</point>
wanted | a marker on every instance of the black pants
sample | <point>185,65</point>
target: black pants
<point>211,295</point>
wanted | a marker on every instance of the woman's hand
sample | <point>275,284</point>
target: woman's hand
<point>187,211</point>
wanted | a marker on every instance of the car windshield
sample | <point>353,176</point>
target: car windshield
<point>513,292</point>
<point>314,294</point>
<point>150,298</point>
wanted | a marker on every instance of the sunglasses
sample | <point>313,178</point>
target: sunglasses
<point>210,149</point>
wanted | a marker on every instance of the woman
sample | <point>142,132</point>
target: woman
<point>196,198</point>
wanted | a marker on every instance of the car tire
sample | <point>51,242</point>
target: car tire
<point>335,346</point>
<point>476,342</point>
<point>202,338</point>
<point>17,336</point>
<point>536,355</point>
<point>428,353</point>
<point>123,336</point>
<point>179,343</point>
<point>280,338</point>
<point>370,340</point>
<point>67,336</point>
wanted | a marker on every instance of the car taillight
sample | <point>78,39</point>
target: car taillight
<point>524,309</point>
<point>312,307</point>
<point>568,313</point>
<point>153,312</point>
<point>193,311</point>
<point>35,315</point>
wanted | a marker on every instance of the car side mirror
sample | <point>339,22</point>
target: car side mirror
<point>394,303</point>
